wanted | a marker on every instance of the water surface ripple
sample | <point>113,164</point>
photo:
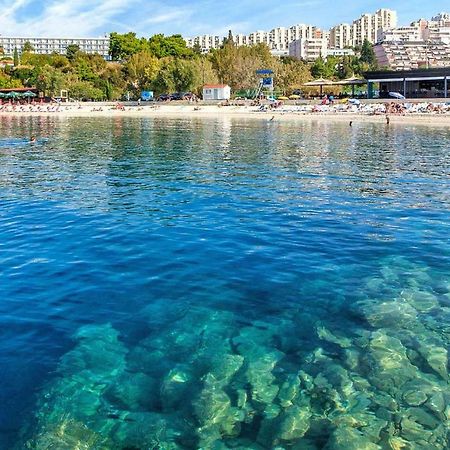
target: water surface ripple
<point>214,284</point>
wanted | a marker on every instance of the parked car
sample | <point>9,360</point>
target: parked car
<point>164,98</point>
<point>176,96</point>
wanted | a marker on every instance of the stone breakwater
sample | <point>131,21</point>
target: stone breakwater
<point>210,380</point>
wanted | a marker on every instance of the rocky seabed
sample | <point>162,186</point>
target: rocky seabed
<point>297,381</point>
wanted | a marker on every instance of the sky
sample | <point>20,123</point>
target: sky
<point>94,18</point>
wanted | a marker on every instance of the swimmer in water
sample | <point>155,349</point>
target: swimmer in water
<point>33,139</point>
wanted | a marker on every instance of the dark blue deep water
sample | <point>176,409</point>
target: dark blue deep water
<point>213,284</point>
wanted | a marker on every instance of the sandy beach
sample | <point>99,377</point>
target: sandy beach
<point>363,113</point>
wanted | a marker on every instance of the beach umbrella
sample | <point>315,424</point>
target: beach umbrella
<point>28,94</point>
<point>319,82</point>
<point>352,81</point>
<point>12,94</point>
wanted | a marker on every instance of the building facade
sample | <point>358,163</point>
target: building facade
<point>46,46</point>
<point>412,55</point>
<point>368,26</point>
<point>308,49</point>
<point>206,42</point>
<point>421,83</point>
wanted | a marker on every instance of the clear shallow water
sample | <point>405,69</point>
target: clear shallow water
<point>223,284</point>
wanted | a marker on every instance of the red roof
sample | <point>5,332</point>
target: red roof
<point>215,86</point>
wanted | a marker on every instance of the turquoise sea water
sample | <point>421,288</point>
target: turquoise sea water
<point>202,284</point>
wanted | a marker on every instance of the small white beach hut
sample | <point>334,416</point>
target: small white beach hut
<point>216,92</point>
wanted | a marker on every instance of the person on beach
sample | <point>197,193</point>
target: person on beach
<point>388,121</point>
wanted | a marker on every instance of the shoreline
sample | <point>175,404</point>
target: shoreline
<point>237,112</point>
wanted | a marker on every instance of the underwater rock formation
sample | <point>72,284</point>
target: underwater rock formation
<point>298,380</point>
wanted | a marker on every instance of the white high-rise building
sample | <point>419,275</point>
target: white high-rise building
<point>434,31</point>
<point>240,39</point>
<point>259,37</point>
<point>46,46</point>
<point>368,27</point>
<point>308,49</point>
<point>206,42</point>
<point>340,36</point>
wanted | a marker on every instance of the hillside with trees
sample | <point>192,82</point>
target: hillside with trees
<point>165,64</point>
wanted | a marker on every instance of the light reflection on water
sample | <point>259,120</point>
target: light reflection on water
<point>274,253</point>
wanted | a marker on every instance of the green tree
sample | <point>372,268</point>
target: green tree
<point>290,74</point>
<point>162,46</point>
<point>142,69</point>
<point>367,55</point>
<point>16,57</point>
<point>322,68</point>
<point>27,47</point>
<point>122,46</point>
<point>50,80</point>
<point>237,66</point>
<point>229,39</point>
<point>197,49</point>
<point>71,51</point>
<point>176,75</point>
<point>84,90</point>
<point>7,82</point>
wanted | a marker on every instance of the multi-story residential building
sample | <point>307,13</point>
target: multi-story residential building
<point>341,36</point>
<point>413,33</point>
<point>412,55</point>
<point>308,49</point>
<point>368,26</point>
<point>302,31</point>
<point>435,30</point>
<point>439,34</point>
<point>278,39</point>
<point>259,37</point>
<point>206,42</point>
<point>45,46</point>
<point>240,39</point>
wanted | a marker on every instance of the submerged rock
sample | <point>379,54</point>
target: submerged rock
<point>348,438</point>
<point>294,423</point>
<point>421,300</point>
<point>436,357</point>
<point>393,314</point>
<point>326,335</point>
<point>415,398</point>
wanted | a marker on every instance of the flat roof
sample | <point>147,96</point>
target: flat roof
<point>421,74</point>
<point>32,89</point>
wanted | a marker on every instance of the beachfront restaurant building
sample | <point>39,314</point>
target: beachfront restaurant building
<point>417,83</point>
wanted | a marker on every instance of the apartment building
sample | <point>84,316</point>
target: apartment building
<point>278,39</point>
<point>206,42</point>
<point>46,46</point>
<point>259,37</point>
<point>409,55</point>
<point>341,36</point>
<point>368,26</point>
<point>435,30</point>
<point>309,49</point>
